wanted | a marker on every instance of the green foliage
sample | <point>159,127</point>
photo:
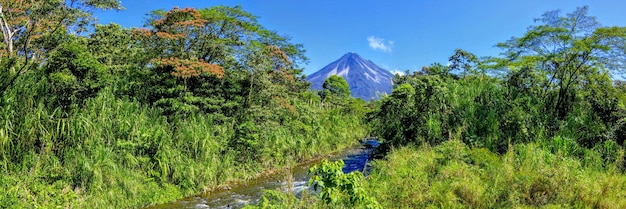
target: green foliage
<point>32,29</point>
<point>209,96</point>
<point>545,133</point>
<point>337,188</point>
<point>120,153</point>
<point>542,126</point>
<point>133,120</point>
<point>274,200</point>
<point>250,66</point>
<point>335,86</point>
<point>568,52</point>
<point>116,48</point>
<point>73,75</point>
<point>392,114</point>
<point>452,175</point>
<point>563,90</point>
<point>463,61</point>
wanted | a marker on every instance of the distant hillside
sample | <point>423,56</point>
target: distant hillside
<point>366,79</point>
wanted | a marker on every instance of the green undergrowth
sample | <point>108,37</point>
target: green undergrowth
<point>334,189</point>
<point>453,175</point>
<point>115,153</point>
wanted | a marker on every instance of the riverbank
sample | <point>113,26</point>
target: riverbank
<point>455,175</point>
<point>293,179</point>
<point>227,186</point>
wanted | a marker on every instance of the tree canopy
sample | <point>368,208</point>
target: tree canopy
<point>564,53</point>
<point>32,28</point>
<point>337,86</point>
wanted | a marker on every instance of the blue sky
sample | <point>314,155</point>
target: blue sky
<point>396,35</point>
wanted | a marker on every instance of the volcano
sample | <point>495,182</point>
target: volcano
<point>367,80</point>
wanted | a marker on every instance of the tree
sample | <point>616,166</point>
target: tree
<point>116,47</point>
<point>217,60</point>
<point>271,90</point>
<point>213,35</point>
<point>566,52</point>
<point>336,86</point>
<point>394,120</point>
<point>463,61</point>
<point>73,75</point>
<point>32,28</point>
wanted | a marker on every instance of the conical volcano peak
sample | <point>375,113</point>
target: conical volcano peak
<point>351,55</point>
<point>366,79</point>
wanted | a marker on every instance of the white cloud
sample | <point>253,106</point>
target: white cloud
<point>392,71</point>
<point>380,44</point>
<point>399,72</point>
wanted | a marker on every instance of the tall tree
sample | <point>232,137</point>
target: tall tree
<point>31,28</point>
<point>566,52</point>
<point>463,61</point>
<point>217,58</point>
<point>220,35</point>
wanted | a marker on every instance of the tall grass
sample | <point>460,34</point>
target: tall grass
<point>112,152</point>
<point>453,175</point>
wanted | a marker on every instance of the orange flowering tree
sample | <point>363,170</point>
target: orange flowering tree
<point>213,59</point>
<point>175,40</point>
<point>221,61</point>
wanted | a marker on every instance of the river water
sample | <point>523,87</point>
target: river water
<point>355,159</point>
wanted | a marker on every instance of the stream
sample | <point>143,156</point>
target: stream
<point>355,159</point>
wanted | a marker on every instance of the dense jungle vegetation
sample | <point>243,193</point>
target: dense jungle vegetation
<point>543,125</point>
<point>101,116</point>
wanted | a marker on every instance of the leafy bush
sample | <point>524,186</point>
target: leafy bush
<point>337,188</point>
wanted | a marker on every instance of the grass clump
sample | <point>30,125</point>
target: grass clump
<point>453,175</point>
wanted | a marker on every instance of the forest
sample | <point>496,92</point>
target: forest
<point>102,116</point>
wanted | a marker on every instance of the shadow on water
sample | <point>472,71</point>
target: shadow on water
<point>355,159</point>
